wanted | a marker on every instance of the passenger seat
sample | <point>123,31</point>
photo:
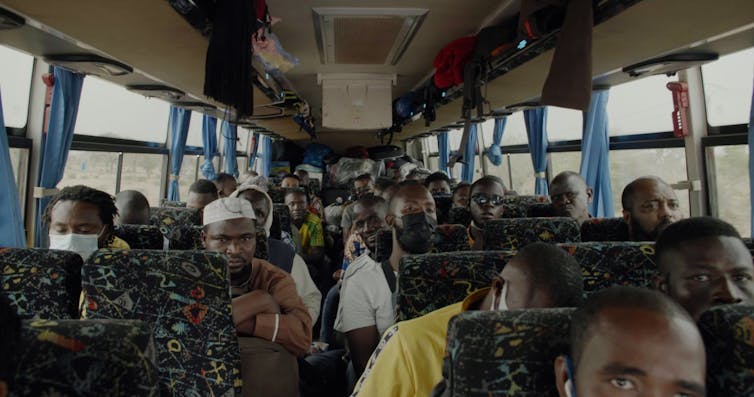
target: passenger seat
<point>433,281</point>
<point>141,236</point>
<point>41,283</point>
<point>604,264</point>
<point>504,353</point>
<point>604,229</point>
<point>728,333</point>
<point>514,234</point>
<point>113,358</point>
<point>185,297</point>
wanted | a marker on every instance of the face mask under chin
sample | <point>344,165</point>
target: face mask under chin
<point>417,234</point>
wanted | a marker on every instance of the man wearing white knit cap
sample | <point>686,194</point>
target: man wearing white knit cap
<point>266,306</point>
<point>281,254</point>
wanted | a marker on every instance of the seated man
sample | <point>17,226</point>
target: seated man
<point>266,305</point>
<point>703,263</point>
<point>461,195</point>
<point>10,337</point>
<point>410,361</point>
<point>81,220</point>
<point>312,244</point>
<point>226,184</point>
<point>385,188</point>
<point>290,181</point>
<point>438,183</point>
<point>632,342</point>
<point>571,196</point>
<point>362,186</point>
<point>303,176</point>
<point>486,203</point>
<point>133,208</point>
<point>281,254</point>
<point>649,205</point>
<point>366,307</point>
<point>201,193</point>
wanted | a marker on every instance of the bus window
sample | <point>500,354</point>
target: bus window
<point>108,110</point>
<point>195,131</point>
<point>94,169</point>
<point>640,106</point>
<point>732,185</point>
<point>522,171</point>
<point>727,88</point>
<point>189,173</point>
<point>515,131</point>
<point>143,172</point>
<point>563,124</point>
<point>666,163</point>
<point>565,161</point>
<point>15,84</point>
<point>19,159</point>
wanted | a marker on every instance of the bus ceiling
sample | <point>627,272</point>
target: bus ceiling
<point>328,37</point>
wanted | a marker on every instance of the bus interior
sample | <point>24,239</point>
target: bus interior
<point>341,88</point>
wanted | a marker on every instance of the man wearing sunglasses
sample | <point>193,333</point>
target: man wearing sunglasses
<point>486,203</point>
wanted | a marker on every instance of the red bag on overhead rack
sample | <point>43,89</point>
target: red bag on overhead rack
<point>451,60</point>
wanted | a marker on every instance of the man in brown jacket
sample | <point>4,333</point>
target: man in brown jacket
<point>273,324</point>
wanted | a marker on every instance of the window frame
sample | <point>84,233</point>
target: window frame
<point>24,143</point>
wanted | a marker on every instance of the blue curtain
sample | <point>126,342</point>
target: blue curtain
<point>751,162</point>
<point>230,133</point>
<point>254,150</point>
<point>178,126</point>
<point>209,138</point>
<point>64,107</point>
<point>494,153</point>
<point>536,129</point>
<point>11,220</point>
<point>266,156</point>
<point>595,155</point>
<point>469,154</point>
<point>443,149</point>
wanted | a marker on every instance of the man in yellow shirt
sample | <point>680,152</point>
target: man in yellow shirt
<point>408,359</point>
<point>81,220</point>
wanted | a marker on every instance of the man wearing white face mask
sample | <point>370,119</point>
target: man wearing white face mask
<point>80,219</point>
<point>408,360</point>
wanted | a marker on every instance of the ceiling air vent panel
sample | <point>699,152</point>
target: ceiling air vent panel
<point>365,36</point>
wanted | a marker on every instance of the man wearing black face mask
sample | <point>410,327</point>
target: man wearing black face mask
<point>367,301</point>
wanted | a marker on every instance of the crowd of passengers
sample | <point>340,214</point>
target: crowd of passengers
<point>624,341</point>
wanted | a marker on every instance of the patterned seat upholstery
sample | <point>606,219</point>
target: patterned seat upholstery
<point>384,245</point>
<point>141,236</point>
<point>505,353</point>
<point>540,210</point>
<point>114,358</point>
<point>518,206</point>
<point>185,297</point>
<point>459,216</point>
<point>443,205</point>
<point>277,194</point>
<point>175,224</point>
<point>174,204</point>
<point>604,264</point>
<point>283,214</point>
<point>41,283</point>
<point>604,229</point>
<point>430,282</point>
<point>451,238</point>
<point>728,333</point>
<point>514,234</point>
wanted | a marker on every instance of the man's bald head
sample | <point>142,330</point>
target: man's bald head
<point>649,206</point>
<point>133,208</point>
<point>571,196</point>
<point>409,191</point>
